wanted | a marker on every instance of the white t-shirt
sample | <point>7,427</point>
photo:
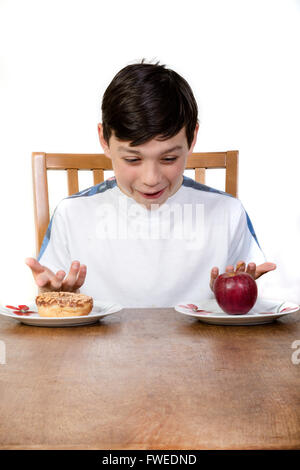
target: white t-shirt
<point>142,258</point>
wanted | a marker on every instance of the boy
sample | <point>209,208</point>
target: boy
<point>149,237</point>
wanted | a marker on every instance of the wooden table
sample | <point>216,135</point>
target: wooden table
<point>150,379</point>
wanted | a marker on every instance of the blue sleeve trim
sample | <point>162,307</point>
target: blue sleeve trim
<point>46,239</point>
<point>250,226</point>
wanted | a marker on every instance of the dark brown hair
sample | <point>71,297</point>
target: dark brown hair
<point>146,101</point>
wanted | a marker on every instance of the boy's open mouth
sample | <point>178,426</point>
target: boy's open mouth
<point>153,195</point>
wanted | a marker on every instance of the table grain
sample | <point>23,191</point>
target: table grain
<point>150,379</point>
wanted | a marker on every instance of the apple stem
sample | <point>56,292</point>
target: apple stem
<point>238,266</point>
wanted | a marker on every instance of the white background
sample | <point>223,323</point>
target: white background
<point>241,59</point>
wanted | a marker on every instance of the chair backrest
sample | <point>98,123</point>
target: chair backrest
<point>98,163</point>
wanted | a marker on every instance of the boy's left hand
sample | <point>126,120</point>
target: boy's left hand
<point>252,269</point>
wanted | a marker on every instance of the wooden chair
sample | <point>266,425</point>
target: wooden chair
<point>98,163</point>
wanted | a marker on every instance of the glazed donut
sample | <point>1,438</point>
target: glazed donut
<point>63,304</point>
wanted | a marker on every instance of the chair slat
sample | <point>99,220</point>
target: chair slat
<point>73,186</point>
<point>98,176</point>
<point>200,175</point>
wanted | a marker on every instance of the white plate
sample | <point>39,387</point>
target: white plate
<point>100,310</point>
<point>264,311</point>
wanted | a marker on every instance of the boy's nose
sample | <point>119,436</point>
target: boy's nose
<point>151,177</point>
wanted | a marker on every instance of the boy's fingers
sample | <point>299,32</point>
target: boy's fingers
<point>34,265</point>
<point>214,272</point>
<point>49,281</point>
<point>70,281</point>
<point>263,269</point>
<point>60,274</point>
<point>42,280</point>
<point>251,268</point>
<point>240,266</point>
<point>81,277</point>
<point>229,269</point>
<point>213,276</point>
<point>38,270</point>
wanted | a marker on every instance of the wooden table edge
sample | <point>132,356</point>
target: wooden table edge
<point>140,447</point>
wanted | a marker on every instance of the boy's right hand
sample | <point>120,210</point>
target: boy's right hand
<point>47,281</point>
<point>254,270</point>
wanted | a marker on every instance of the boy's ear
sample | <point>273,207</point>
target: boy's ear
<point>194,139</point>
<point>103,142</point>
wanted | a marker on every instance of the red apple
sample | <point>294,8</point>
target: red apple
<point>236,292</point>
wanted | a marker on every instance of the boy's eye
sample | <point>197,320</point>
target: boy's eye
<point>165,160</point>
<point>131,160</point>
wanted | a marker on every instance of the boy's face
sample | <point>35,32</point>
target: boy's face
<point>152,172</point>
